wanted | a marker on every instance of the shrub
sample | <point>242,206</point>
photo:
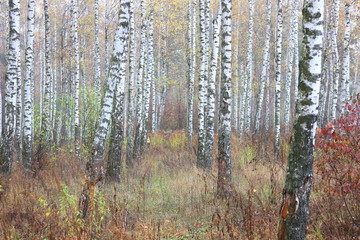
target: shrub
<point>337,165</point>
<point>178,140</point>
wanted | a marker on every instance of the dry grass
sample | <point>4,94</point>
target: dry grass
<point>163,197</point>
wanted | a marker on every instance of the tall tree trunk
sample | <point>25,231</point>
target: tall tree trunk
<point>95,165</point>
<point>11,77</point>
<point>203,82</point>
<point>335,59</point>
<point>296,52</point>
<point>244,91</point>
<point>224,161</point>
<point>149,71</point>
<point>131,90</point>
<point>296,193</point>
<point>28,82</point>
<point>278,78</point>
<point>116,137</point>
<point>45,118</point>
<point>210,107</point>
<point>249,68</point>
<point>345,77</point>
<point>140,81</point>
<point>191,70</point>
<point>106,40</point>
<point>290,64</point>
<point>97,52</point>
<point>265,66</point>
<point>76,74</point>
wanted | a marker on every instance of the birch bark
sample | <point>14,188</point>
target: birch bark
<point>224,160</point>
<point>299,174</point>
<point>278,77</point>
<point>249,67</point>
<point>345,77</point>
<point>264,66</point>
<point>11,77</point>
<point>210,107</point>
<point>116,137</point>
<point>28,94</point>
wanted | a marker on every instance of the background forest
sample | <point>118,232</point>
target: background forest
<point>117,118</point>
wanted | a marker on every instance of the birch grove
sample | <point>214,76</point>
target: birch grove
<point>134,118</point>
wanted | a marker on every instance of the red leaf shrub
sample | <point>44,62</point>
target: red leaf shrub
<point>337,165</point>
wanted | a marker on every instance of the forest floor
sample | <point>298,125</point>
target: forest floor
<point>164,196</point>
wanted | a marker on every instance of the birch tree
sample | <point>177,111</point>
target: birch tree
<point>210,107</point>
<point>249,67</point>
<point>244,90</point>
<point>224,161</point>
<point>191,66</point>
<point>265,65</point>
<point>149,75</point>
<point>11,77</point>
<point>296,194</point>
<point>345,77</point>
<point>95,168</point>
<point>153,105</point>
<point>116,139</point>
<point>335,58</point>
<point>45,118</point>
<point>97,51</point>
<point>203,82</point>
<point>76,74</point>
<point>28,83</point>
<point>278,77</point>
<point>139,83</point>
<point>290,65</point>
<point>131,90</point>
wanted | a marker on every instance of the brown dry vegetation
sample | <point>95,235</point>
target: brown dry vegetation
<point>163,197</point>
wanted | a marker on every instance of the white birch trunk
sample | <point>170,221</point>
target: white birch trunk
<point>278,77</point>
<point>76,74</point>
<point>116,138</point>
<point>335,58</point>
<point>191,70</point>
<point>97,63</point>
<point>244,90</point>
<point>345,77</point>
<point>153,101</point>
<point>149,75</point>
<point>131,90</point>
<point>290,65</point>
<point>28,83</point>
<point>296,51</point>
<point>224,160</point>
<point>11,77</point>
<point>203,81</point>
<point>210,107</point>
<point>249,68</point>
<point>111,84</point>
<point>139,84</point>
<point>264,66</point>
<point>45,122</point>
<point>299,174</point>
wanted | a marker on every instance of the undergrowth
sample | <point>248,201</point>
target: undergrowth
<point>164,196</point>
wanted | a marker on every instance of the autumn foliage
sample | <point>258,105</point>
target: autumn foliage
<point>337,165</point>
